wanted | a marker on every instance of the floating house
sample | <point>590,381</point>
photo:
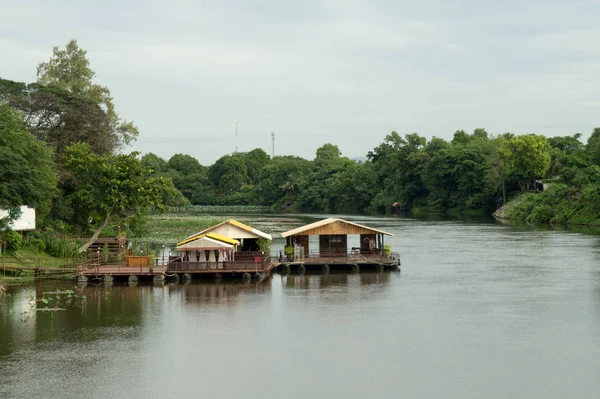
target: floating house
<point>212,248</point>
<point>332,248</point>
<point>230,247</point>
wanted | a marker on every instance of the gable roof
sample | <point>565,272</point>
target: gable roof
<point>237,224</point>
<point>333,226</point>
<point>213,236</point>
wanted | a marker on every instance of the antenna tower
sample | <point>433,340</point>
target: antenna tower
<point>236,131</point>
<point>272,144</point>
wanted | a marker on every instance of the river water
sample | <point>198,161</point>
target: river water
<point>479,310</point>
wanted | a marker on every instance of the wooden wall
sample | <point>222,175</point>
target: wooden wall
<point>338,227</point>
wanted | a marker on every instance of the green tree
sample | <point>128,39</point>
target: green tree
<point>69,70</point>
<point>111,189</point>
<point>154,162</point>
<point>229,173</point>
<point>281,178</point>
<point>593,146</point>
<point>255,160</point>
<point>27,172</point>
<point>398,163</point>
<point>454,178</point>
<point>59,117</point>
<point>327,153</point>
<point>185,164</point>
<point>527,158</point>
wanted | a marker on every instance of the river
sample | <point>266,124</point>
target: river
<point>479,310</point>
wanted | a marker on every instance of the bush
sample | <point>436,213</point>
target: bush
<point>14,241</point>
<point>541,214</point>
<point>38,244</point>
<point>60,247</point>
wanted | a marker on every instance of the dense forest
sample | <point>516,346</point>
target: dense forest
<point>62,149</point>
<point>473,172</point>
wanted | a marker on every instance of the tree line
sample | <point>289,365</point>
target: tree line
<point>61,141</point>
<point>472,172</point>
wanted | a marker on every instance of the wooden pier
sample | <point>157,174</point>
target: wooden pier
<point>350,262</point>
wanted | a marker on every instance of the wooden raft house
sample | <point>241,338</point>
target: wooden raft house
<point>230,248</point>
<point>332,252</point>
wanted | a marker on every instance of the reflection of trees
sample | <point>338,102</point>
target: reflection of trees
<point>121,304</point>
<point>217,292</point>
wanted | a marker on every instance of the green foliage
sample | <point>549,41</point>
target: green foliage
<point>288,250</point>
<point>527,158</point>
<point>27,173</point>
<point>559,204</point>
<point>111,188</point>
<point>13,240</point>
<point>387,249</point>
<point>264,245</point>
<point>593,146</point>
<point>69,70</point>
<point>58,246</point>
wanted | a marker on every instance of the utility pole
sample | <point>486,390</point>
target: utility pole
<point>272,145</point>
<point>236,132</point>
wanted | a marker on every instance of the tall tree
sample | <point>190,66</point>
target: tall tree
<point>593,146</point>
<point>27,173</point>
<point>111,189</point>
<point>69,70</point>
<point>527,158</point>
<point>59,117</point>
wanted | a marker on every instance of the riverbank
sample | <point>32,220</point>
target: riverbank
<point>559,204</point>
<point>29,258</point>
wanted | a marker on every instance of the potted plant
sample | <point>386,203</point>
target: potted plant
<point>289,252</point>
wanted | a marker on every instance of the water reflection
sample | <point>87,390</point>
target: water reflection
<point>324,281</point>
<point>216,293</point>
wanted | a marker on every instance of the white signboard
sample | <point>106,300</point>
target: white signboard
<point>25,222</point>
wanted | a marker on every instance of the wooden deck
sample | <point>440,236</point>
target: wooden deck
<point>121,270</point>
<point>259,265</point>
<point>37,266</point>
<point>351,261</point>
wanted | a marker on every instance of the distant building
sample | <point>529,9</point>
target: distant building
<point>25,222</point>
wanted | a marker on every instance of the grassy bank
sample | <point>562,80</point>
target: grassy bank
<point>559,204</point>
<point>29,257</point>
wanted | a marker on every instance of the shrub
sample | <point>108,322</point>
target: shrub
<point>541,214</point>
<point>60,247</point>
<point>14,241</point>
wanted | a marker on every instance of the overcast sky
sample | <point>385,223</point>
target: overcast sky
<point>341,71</point>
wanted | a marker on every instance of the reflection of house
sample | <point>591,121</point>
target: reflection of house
<point>333,243</point>
<point>229,246</point>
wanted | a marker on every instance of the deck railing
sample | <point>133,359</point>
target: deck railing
<point>353,256</point>
<point>257,264</point>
